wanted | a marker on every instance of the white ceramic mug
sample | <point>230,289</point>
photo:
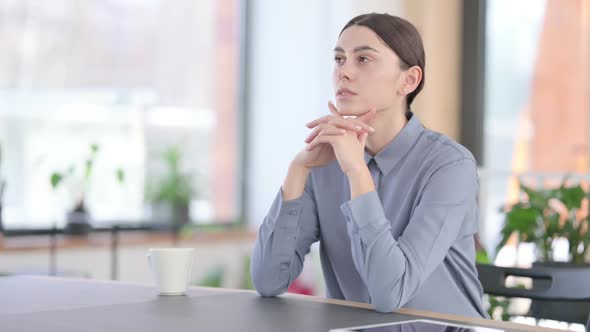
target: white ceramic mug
<point>171,269</point>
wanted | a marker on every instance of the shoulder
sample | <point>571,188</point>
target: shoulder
<point>444,152</point>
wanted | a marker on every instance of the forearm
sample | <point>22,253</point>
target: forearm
<point>360,181</point>
<point>285,237</point>
<point>294,183</point>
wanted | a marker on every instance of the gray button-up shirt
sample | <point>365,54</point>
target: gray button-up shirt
<point>409,244</point>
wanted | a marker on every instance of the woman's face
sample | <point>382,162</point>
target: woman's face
<point>367,73</point>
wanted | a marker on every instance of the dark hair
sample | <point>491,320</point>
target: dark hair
<point>401,36</point>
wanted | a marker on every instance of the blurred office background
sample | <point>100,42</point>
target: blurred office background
<point>173,122</point>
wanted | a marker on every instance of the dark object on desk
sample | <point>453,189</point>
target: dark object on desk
<point>560,291</point>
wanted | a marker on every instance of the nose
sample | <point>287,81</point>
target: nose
<point>344,72</point>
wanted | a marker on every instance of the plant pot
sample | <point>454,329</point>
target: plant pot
<point>78,223</point>
<point>174,217</point>
<point>575,312</point>
<point>181,215</point>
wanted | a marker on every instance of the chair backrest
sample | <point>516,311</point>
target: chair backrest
<point>559,291</point>
<point>567,283</point>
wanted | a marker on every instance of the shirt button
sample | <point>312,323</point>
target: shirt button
<point>293,212</point>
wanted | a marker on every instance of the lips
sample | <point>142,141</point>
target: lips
<point>345,92</point>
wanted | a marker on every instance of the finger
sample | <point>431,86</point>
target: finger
<point>354,124</point>
<point>363,138</point>
<point>323,129</point>
<point>333,110</point>
<point>316,122</point>
<point>314,133</point>
<point>368,116</point>
<point>345,124</point>
<point>322,139</point>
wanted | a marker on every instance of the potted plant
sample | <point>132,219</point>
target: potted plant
<point>170,195</point>
<point>78,218</point>
<point>544,215</point>
<point>541,217</point>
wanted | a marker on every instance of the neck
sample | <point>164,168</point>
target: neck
<point>388,123</point>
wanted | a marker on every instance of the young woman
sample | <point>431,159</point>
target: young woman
<point>392,203</point>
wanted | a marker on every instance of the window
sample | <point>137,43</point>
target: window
<point>136,79</point>
<point>537,108</point>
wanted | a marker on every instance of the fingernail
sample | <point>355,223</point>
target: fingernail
<point>371,129</point>
<point>342,131</point>
<point>358,128</point>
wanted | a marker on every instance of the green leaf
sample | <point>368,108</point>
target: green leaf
<point>246,276</point>
<point>523,220</point>
<point>481,257</point>
<point>55,179</point>
<point>214,278</point>
<point>94,148</point>
<point>537,198</point>
<point>553,228</point>
<point>572,197</point>
<point>174,188</point>
<point>88,168</point>
<point>120,174</point>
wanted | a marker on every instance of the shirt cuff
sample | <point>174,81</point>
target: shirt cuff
<point>285,214</point>
<point>367,216</point>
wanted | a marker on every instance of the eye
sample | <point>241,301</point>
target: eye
<point>339,59</point>
<point>363,59</point>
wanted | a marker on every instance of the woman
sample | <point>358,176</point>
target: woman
<point>392,203</point>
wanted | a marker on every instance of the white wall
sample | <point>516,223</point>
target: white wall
<point>290,64</point>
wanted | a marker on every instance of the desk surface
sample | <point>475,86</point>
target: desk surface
<point>58,304</point>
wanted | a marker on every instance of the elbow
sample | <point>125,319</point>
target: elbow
<point>265,284</point>
<point>266,288</point>
<point>385,301</point>
<point>384,304</point>
<point>267,291</point>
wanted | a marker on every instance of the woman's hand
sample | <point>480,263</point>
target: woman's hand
<point>348,147</point>
<point>334,124</point>
<point>320,156</point>
<point>358,124</point>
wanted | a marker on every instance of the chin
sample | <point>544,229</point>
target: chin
<point>351,109</point>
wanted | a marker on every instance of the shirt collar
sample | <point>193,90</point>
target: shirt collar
<point>399,146</point>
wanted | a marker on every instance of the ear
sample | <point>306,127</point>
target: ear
<point>413,77</point>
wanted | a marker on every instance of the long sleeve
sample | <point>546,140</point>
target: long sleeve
<point>394,270</point>
<point>284,238</point>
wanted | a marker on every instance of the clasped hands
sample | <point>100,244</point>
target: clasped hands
<point>334,137</point>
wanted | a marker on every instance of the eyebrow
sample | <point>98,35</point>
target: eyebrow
<point>356,49</point>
